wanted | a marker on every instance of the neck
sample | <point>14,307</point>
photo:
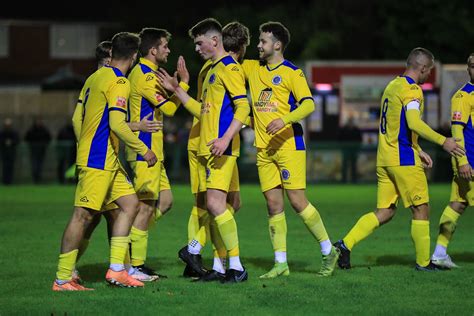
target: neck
<point>121,65</point>
<point>220,52</point>
<point>412,74</point>
<point>275,59</point>
<point>151,59</point>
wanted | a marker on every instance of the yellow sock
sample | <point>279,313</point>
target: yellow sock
<point>66,264</point>
<point>228,231</point>
<point>139,240</point>
<point>420,233</point>
<point>218,245</point>
<point>277,229</point>
<point>127,259</point>
<point>230,208</point>
<point>118,249</point>
<point>158,214</point>
<point>314,223</point>
<point>363,228</point>
<point>204,222</point>
<point>447,226</point>
<point>82,248</point>
<point>193,223</point>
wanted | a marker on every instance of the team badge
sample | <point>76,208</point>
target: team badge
<point>208,173</point>
<point>276,80</point>
<point>121,102</point>
<point>457,116</point>
<point>212,79</point>
<point>285,174</point>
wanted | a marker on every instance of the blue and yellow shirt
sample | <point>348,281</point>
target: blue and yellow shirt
<point>276,90</point>
<point>398,145</point>
<point>462,111</point>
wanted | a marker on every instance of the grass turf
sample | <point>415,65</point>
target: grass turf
<point>383,279</point>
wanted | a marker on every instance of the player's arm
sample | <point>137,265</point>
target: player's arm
<point>170,107</point>
<point>234,81</point>
<point>460,112</point>
<point>171,84</point>
<point>300,89</point>
<point>117,99</point>
<point>417,125</point>
<point>146,125</point>
<point>78,115</point>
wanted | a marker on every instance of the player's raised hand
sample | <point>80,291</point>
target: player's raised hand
<point>466,172</point>
<point>452,147</point>
<point>183,72</point>
<point>275,126</point>
<point>150,126</point>
<point>218,146</point>
<point>150,158</point>
<point>168,82</point>
<point>425,159</point>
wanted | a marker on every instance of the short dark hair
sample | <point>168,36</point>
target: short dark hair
<point>415,54</point>
<point>234,36</point>
<point>204,26</point>
<point>279,31</point>
<point>124,45</point>
<point>470,56</point>
<point>102,51</point>
<point>151,37</point>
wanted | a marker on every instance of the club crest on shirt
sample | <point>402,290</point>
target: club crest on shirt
<point>212,79</point>
<point>276,80</point>
<point>457,116</point>
<point>121,102</point>
<point>285,174</point>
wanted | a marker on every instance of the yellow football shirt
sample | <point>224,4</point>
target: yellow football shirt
<point>223,90</point>
<point>105,90</point>
<point>193,141</point>
<point>462,111</point>
<point>145,96</point>
<point>397,145</point>
<point>276,91</point>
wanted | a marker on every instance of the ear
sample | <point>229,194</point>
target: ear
<point>277,45</point>
<point>215,41</point>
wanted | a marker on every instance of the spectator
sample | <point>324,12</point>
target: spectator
<point>66,150</point>
<point>352,136</point>
<point>38,138</point>
<point>8,141</point>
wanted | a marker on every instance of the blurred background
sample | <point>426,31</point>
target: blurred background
<point>349,51</point>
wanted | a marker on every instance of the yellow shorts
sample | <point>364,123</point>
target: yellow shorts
<point>193,171</point>
<point>146,181</point>
<point>462,190</point>
<point>281,167</point>
<point>218,173</point>
<point>97,187</point>
<point>164,181</point>
<point>407,182</point>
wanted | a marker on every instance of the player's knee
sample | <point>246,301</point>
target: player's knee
<point>234,201</point>
<point>384,215</point>
<point>459,207</point>
<point>165,206</point>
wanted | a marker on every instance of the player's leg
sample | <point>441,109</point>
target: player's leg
<point>219,251</point>
<point>91,191</point>
<point>123,194</point>
<point>462,195</point>
<point>220,170</point>
<point>387,197</point>
<point>165,200</point>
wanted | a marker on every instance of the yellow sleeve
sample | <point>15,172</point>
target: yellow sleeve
<point>299,86</point>
<point>249,65</point>
<point>302,111</point>
<point>460,112</point>
<point>117,97</point>
<point>78,115</point>
<point>194,107</point>
<point>234,81</point>
<point>416,124</point>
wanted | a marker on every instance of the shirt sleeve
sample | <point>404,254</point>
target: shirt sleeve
<point>460,112</point>
<point>299,86</point>
<point>249,65</point>
<point>234,80</point>
<point>78,115</point>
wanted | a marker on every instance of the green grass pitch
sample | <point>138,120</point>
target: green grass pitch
<point>383,280</point>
